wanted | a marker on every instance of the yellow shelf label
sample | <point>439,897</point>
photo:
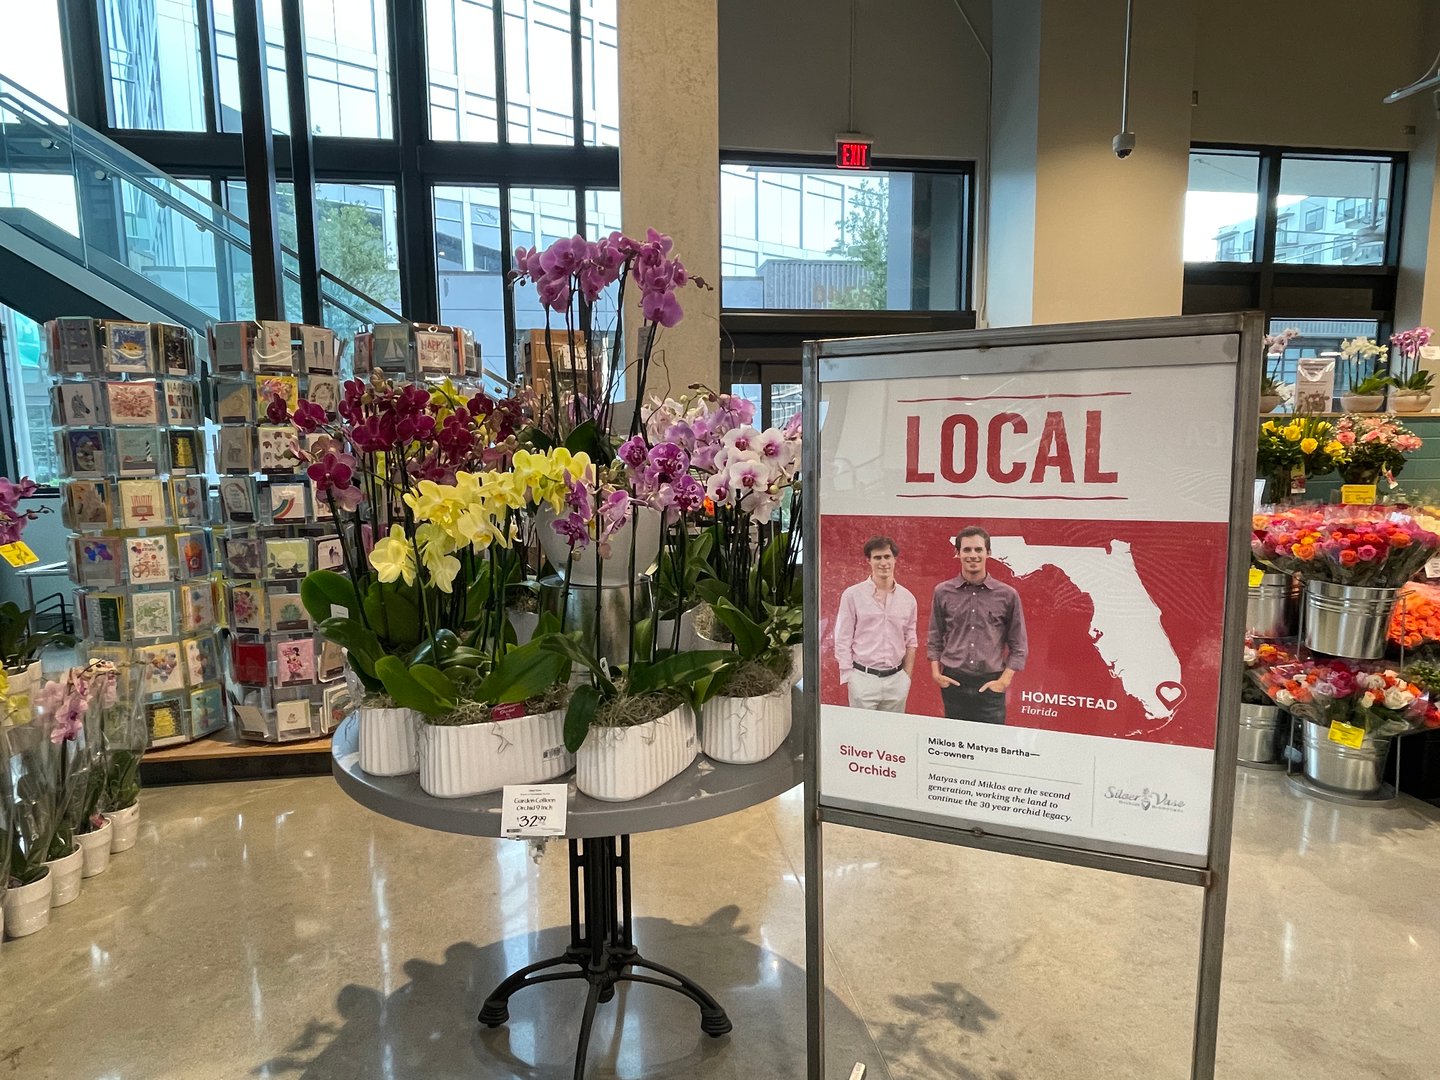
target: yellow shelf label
<point>1256,576</point>
<point>1346,734</point>
<point>18,554</point>
<point>1357,494</point>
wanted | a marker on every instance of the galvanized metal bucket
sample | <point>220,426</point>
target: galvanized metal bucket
<point>1257,734</point>
<point>1347,620</point>
<point>1272,607</point>
<point>575,607</point>
<point>1348,770</point>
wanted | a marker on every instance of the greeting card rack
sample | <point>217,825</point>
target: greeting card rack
<point>283,681</point>
<point>126,409</point>
<point>416,351</point>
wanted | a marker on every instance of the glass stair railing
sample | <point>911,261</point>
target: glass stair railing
<point>156,238</point>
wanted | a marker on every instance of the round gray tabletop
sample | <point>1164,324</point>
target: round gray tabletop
<point>707,789</point>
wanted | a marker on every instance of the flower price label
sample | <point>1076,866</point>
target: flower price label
<point>529,810</point>
<point>1432,568</point>
<point>1357,494</point>
<point>1346,734</point>
<point>1256,577</point>
<point>18,553</point>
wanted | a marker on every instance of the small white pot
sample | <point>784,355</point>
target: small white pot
<point>127,827</point>
<point>65,876</point>
<point>742,731</point>
<point>27,908</point>
<point>472,759</point>
<point>95,846</point>
<point>387,741</point>
<point>524,623</point>
<point>620,764</point>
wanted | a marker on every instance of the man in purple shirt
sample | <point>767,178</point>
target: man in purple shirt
<point>976,642</point>
<point>875,642</point>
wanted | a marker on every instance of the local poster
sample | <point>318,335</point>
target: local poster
<point>1105,496</point>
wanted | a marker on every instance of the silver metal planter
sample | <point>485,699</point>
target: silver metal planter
<point>1272,607</point>
<point>575,607</point>
<point>1357,772</point>
<point>1257,736</point>
<point>1347,620</point>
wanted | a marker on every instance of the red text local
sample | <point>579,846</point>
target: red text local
<point>1006,447</point>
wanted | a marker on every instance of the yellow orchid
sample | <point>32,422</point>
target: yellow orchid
<point>436,548</point>
<point>393,558</point>
<point>436,502</point>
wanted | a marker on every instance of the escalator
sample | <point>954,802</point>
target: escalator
<point>88,227</point>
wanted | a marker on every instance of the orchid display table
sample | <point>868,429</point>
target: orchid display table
<point>602,949</point>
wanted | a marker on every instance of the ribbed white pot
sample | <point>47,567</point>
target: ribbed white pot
<point>620,764</point>
<point>797,663</point>
<point>65,877</point>
<point>27,907</point>
<point>472,759</point>
<point>127,827</point>
<point>744,730</point>
<point>95,847</point>
<point>387,741</point>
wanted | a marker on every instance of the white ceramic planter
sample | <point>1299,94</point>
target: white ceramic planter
<point>95,847</point>
<point>797,663</point>
<point>1409,401</point>
<point>742,731</point>
<point>472,759</point>
<point>65,877</point>
<point>616,568</point>
<point>524,623</point>
<point>126,825</point>
<point>620,764</point>
<point>387,741</point>
<point>27,908</point>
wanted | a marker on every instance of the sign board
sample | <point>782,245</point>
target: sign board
<point>1059,504</point>
<point>852,152</point>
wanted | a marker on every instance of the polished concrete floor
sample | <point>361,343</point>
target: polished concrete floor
<point>276,929</point>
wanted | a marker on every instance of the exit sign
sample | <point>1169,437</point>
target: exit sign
<point>852,153</point>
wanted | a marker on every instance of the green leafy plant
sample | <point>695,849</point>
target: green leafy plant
<point>18,644</point>
<point>1418,381</point>
<point>762,655</point>
<point>684,562</point>
<point>1372,384</point>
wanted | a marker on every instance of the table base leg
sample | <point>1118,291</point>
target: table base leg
<point>601,951</point>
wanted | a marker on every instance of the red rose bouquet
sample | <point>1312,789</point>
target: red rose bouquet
<point>1371,546</point>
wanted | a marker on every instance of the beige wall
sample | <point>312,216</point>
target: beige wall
<point>670,173</point>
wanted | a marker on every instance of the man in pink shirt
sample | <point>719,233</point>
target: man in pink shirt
<point>875,640</point>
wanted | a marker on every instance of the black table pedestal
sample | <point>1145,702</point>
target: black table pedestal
<point>602,950</point>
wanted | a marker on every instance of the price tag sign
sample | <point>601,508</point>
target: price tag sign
<point>1257,576</point>
<point>18,554</point>
<point>1346,734</point>
<point>1357,494</point>
<point>528,810</point>
<point>1432,567</point>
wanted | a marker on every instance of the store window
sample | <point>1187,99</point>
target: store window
<point>600,71</point>
<point>31,52</point>
<point>460,52</point>
<point>1220,206</point>
<point>1349,199</point>
<point>28,381</point>
<point>538,217</point>
<point>539,87</point>
<point>1318,338</point>
<point>153,52</point>
<point>471,262</point>
<point>804,238</point>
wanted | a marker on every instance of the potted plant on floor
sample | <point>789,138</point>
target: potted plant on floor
<point>32,810</point>
<point>124,737</point>
<point>747,715</point>
<point>1369,375</point>
<point>95,832</point>
<point>61,709</point>
<point>1413,384</point>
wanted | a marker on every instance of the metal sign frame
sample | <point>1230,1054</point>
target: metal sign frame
<point>833,361</point>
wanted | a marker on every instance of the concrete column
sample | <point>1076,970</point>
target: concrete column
<point>1103,238</point>
<point>670,170</point>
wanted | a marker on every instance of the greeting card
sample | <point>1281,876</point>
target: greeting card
<point>435,352</point>
<point>235,403</point>
<point>147,559</point>
<point>180,402</point>
<point>85,452</point>
<point>272,347</point>
<point>179,349</point>
<point>133,404</point>
<point>166,718</point>
<point>230,346</point>
<point>79,403</point>
<point>187,498</point>
<point>287,613</point>
<point>87,503</point>
<point>105,616</point>
<point>142,502</point>
<point>237,499</point>
<point>207,709</point>
<point>197,605</point>
<point>161,666</point>
<point>242,557</point>
<point>287,502</point>
<point>76,346</point>
<point>292,717</point>
<point>247,608</point>
<point>287,558</point>
<point>391,347</point>
<point>328,554</point>
<point>295,662</point>
<point>154,614</point>
<point>250,663</point>
<point>186,455</point>
<point>137,450</point>
<point>202,659</point>
<point>269,387</point>
<point>97,559</point>
<point>192,552</point>
<point>337,704</point>
<point>277,448</point>
<point>318,345</point>
<point>329,661</point>
<point>128,347</point>
<point>324,390</point>
<point>237,450</point>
